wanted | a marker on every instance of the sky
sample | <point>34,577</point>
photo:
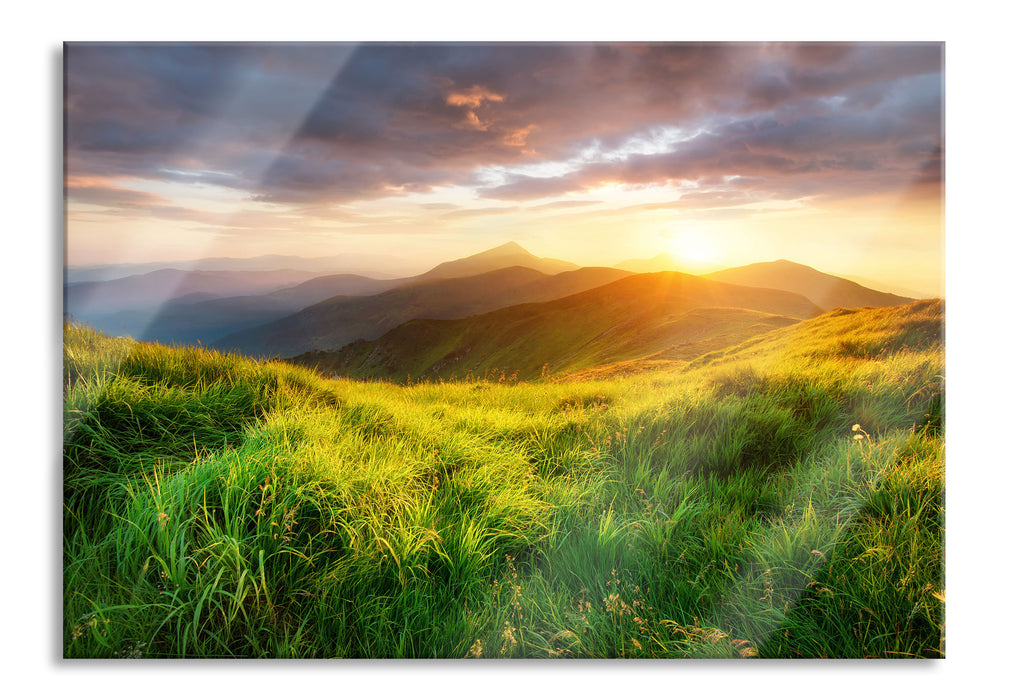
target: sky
<point>408,154</point>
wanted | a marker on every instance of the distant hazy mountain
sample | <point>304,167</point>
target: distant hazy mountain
<point>507,255</point>
<point>826,291</point>
<point>88,299</point>
<point>887,287</point>
<point>187,320</point>
<point>321,288</point>
<point>660,263</point>
<point>674,315</point>
<point>183,306</point>
<point>377,266</point>
<point>336,322</point>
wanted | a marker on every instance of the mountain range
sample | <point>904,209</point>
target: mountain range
<point>503,309</point>
<point>669,314</point>
<point>340,320</point>
<point>201,304</point>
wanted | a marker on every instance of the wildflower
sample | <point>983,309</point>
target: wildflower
<point>476,651</point>
<point>856,427</point>
<point>509,636</point>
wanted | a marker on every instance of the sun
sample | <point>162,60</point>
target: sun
<point>691,248</point>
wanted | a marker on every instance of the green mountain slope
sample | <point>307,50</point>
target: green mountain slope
<point>866,333</point>
<point>674,315</point>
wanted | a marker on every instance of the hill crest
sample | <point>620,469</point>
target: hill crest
<point>825,290</point>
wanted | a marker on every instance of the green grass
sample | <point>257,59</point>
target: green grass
<point>218,507</point>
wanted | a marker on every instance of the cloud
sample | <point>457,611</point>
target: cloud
<point>339,123</point>
<point>98,192</point>
<point>518,137</point>
<point>471,213</point>
<point>438,206</point>
<point>527,187</point>
<point>566,204</point>
<point>471,99</point>
<point>821,153</point>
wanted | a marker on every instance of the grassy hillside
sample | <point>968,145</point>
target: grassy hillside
<point>336,322</point>
<point>781,500</point>
<point>521,344</point>
<point>668,316</point>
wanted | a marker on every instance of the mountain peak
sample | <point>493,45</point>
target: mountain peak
<point>509,248</point>
<point>785,262</point>
<point>509,254</point>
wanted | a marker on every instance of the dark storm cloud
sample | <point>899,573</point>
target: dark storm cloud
<point>835,152</point>
<point>294,178</point>
<point>339,123</point>
<point>132,98</point>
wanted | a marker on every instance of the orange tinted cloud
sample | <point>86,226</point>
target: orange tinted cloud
<point>103,191</point>
<point>86,181</point>
<point>517,137</point>
<point>473,98</point>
